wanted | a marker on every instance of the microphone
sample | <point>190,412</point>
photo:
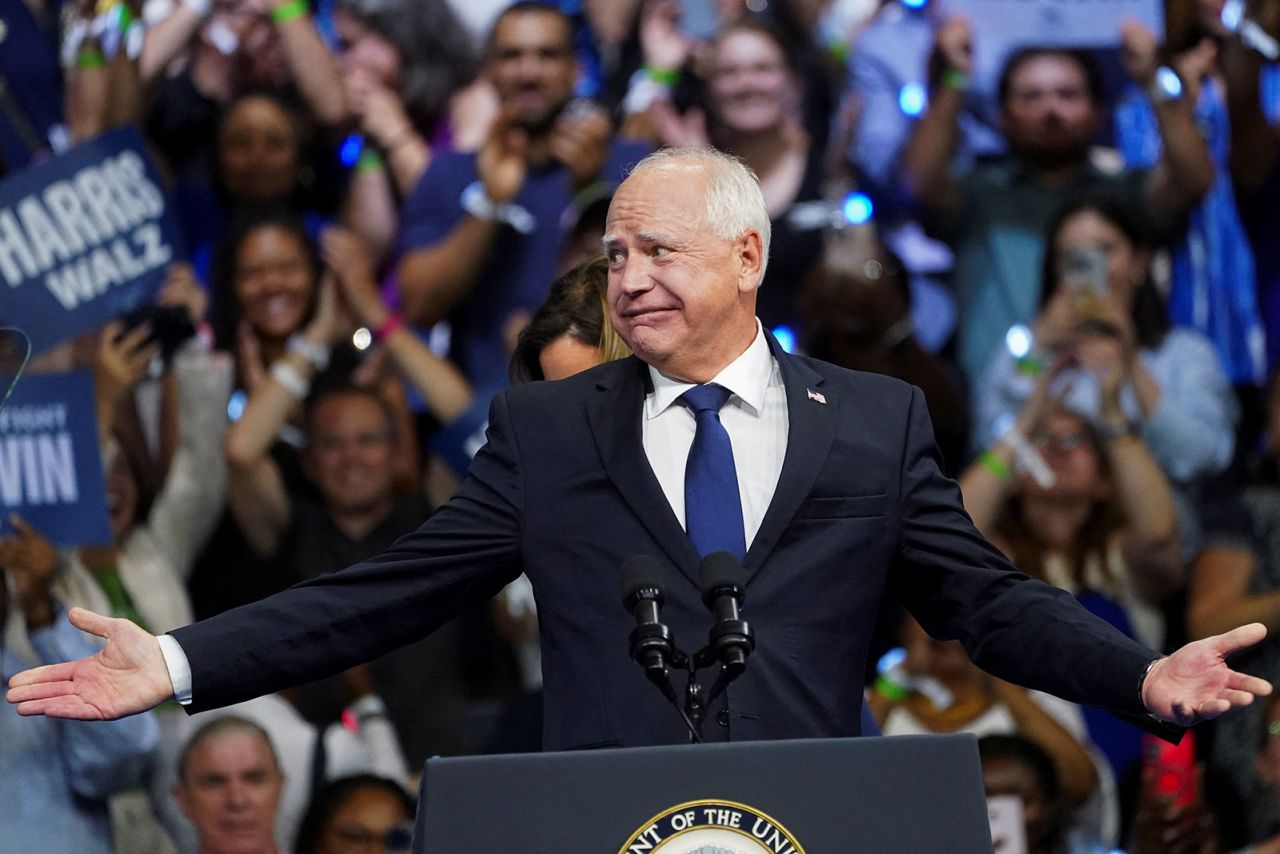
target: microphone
<point>723,582</point>
<point>651,645</point>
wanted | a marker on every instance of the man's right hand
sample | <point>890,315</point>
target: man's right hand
<point>125,677</point>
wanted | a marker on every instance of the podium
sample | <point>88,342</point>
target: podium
<point>819,796</point>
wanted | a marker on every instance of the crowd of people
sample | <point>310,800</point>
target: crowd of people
<point>393,209</point>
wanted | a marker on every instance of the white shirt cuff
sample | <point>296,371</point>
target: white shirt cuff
<point>175,660</point>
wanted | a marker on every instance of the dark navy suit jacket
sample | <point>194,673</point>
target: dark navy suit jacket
<point>563,491</point>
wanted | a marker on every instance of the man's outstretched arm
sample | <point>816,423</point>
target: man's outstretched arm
<point>125,677</point>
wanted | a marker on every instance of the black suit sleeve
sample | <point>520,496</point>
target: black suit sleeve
<point>461,556</point>
<point>960,587</point>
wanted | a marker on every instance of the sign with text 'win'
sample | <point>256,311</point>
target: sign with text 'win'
<point>50,461</point>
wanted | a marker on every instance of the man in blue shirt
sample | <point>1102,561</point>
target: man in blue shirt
<point>483,231</point>
<point>56,775</point>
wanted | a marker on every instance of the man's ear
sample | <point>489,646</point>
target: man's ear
<point>748,252</point>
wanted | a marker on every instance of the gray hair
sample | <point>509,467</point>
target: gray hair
<point>219,726</point>
<point>734,201</point>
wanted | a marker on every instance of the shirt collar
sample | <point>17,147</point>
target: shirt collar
<point>746,376</point>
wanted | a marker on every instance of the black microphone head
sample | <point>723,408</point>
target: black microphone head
<point>720,571</point>
<point>639,573</point>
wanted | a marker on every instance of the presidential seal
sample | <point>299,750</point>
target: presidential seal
<point>711,827</point>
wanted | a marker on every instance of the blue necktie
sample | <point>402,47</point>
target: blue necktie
<point>712,507</point>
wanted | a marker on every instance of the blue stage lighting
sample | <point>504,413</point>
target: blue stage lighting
<point>349,153</point>
<point>857,208</point>
<point>911,99</point>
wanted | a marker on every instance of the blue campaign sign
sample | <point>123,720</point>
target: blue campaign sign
<point>84,237</point>
<point>50,461</point>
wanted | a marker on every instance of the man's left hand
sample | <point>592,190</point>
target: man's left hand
<point>1195,684</point>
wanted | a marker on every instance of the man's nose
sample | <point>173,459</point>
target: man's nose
<point>529,66</point>
<point>237,795</point>
<point>633,276</point>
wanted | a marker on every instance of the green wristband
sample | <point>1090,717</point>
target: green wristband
<point>286,12</point>
<point>663,76</point>
<point>891,691</point>
<point>1029,365</point>
<point>369,161</point>
<point>992,463</point>
<point>957,80</point>
<point>125,18</point>
<point>90,59</point>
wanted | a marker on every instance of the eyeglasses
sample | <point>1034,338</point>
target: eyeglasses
<point>362,441</point>
<point>1061,443</point>
<point>398,837</point>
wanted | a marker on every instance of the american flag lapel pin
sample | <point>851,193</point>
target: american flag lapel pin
<point>815,395</point>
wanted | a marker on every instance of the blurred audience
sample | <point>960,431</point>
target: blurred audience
<point>753,95</point>
<point>994,215</point>
<point>1110,216</point>
<point>409,71</point>
<point>1013,766</point>
<point>936,689</point>
<point>482,231</point>
<point>1103,319</point>
<point>229,784</point>
<point>56,776</point>
<point>1212,286</point>
<point>1087,511</point>
<point>858,315</point>
<point>363,814</point>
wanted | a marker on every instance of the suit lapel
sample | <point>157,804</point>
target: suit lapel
<point>615,412</point>
<point>810,432</point>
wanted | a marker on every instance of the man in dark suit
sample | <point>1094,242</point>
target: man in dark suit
<point>826,481</point>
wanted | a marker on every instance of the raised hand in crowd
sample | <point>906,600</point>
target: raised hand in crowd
<point>31,562</point>
<point>675,128</point>
<point>256,490</point>
<point>444,389</point>
<point>1185,171</point>
<point>953,45</point>
<point>120,361</point>
<point>1194,65</point>
<point>501,161</point>
<point>385,122</point>
<point>665,47</point>
<point>352,275</point>
<point>580,140</point>
<point>1105,345</point>
<point>1139,52</point>
<point>928,154</point>
<point>182,289</point>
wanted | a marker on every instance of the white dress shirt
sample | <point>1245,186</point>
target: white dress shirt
<point>755,417</point>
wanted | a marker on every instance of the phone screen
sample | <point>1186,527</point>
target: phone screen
<point>1087,269</point>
